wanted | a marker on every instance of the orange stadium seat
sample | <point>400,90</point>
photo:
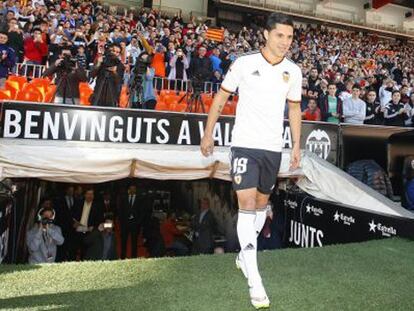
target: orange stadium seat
<point>178,107</point>
<point>5,94</point>
<point>124,97</point>
<point>21,80</point>
<point>161,106</point>
<point>50,94</point>
<point>29,96</point>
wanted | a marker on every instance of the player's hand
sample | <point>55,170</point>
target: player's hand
<point>207,145</point>
<point>295,158</point>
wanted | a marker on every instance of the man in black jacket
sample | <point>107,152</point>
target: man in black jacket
<point>68,77</point>
<point>109,74</point>
<point>201,69</point>
<point>87,215</point>
<point>205,228</point>
<point>130,221</point>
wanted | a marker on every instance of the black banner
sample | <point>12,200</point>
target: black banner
<point>95,124</point>
<point>311,222</point>
<point>5,219</point>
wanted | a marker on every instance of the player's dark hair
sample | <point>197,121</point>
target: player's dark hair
<point>278,18</point>
<point>395,91</point>
<point>356,86</point>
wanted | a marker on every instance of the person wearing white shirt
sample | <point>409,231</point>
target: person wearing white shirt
<point>265,82</point>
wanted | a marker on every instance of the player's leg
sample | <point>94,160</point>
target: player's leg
<point>262,201</point>
<point>245,175</point>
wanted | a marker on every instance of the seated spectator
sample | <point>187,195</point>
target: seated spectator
<point>173,238</point>
<point>42,240</point>
<point>68,77</point>
<point>312,113</point>
<point>374,112</point>
<point>100,243</point>
<point>8,58</point>
<point>354,107</point>
<point>395,113</point>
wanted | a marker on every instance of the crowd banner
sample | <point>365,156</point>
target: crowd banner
<point>311,222</point>
<point>97,124</point>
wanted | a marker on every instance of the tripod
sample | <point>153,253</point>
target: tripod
<point>193,100</point>
<point>67,88</point>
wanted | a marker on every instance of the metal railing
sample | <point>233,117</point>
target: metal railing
<point>28,70</point>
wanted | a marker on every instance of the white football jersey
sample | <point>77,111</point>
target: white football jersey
<point>263,91</point>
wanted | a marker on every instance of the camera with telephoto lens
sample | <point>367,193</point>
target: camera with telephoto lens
<point>46,221</point>
<point>68,62</point>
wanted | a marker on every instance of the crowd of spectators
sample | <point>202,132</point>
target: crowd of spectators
<point>348,76</point>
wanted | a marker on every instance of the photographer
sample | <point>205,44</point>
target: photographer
<point>43,238</point>
<point>179,65</point>
<point>201,68</point>
<point>100,244</point>
<point>109,72</point>
<point>68,77</point>
<point>141,86</point>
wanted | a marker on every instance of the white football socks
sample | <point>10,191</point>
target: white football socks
<point>260,219</point>
<point>246,232</point>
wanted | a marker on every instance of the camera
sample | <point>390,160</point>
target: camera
<point>107,225</point>
<point>68,62</point>
<point>110,61</point>
<point>46,221</point>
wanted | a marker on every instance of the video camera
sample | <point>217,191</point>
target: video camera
<point>46,221</point>
<point>68,63</point>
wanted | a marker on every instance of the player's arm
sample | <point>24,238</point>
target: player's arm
<point>229,85</point>
<point>295,121</point>
<point>295,117</point>
<point>207,143</point>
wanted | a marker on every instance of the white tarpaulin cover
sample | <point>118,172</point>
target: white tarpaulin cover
<point>80,162</point>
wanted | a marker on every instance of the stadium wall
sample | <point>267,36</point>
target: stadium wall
<point>199,6</point>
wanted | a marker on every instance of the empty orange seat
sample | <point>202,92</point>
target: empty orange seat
<point>35,89</point>
<point>5,94</point>
<point>124,97</point>
<point>21,80</point>
<point>161,106</point>
<point>29,96</point>
<point>178,107</point>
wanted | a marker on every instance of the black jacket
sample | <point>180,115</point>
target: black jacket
<point>204,233</point>
<point>67,82</point>
<point>95,214</point>
<point>201,69</point>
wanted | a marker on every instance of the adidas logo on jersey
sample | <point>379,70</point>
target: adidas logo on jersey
<point>249,247</point>
<point>256,73</point>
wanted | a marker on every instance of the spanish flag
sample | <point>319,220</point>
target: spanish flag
<point>215,34</point>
